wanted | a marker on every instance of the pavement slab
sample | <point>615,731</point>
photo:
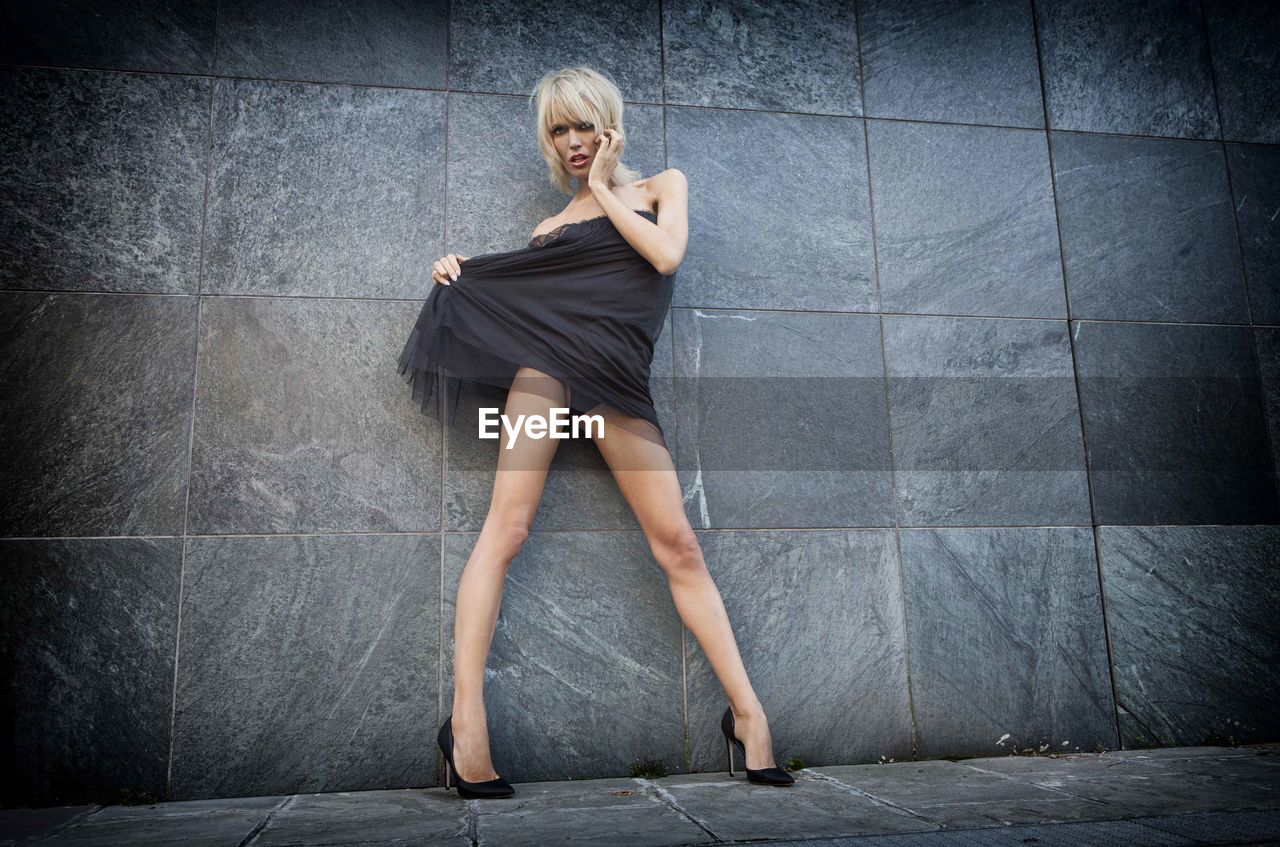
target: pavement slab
<point>1172,796</point>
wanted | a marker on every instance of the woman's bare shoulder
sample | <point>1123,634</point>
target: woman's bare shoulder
<point>662,177</point>
<point>670,183</point>
<point>659,177</point>
<point>656,186</point>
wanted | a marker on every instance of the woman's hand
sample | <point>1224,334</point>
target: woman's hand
<point>609,146</point>
<point>447,267</point>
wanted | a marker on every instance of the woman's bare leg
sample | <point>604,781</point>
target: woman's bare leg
<point>651,488</point>
<point>517,489</point>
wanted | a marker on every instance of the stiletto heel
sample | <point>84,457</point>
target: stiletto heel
<point>472,790</point>
<point>764,776</point>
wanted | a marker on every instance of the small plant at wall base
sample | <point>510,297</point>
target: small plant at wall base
<point>1044,748</point>
<point>130,797</point>
<point>1044,751</point>
<point>1220,741</point>
<point>649,768</point>
<point>795,763</point>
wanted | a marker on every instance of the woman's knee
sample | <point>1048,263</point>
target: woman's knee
<point>509,532</point>
<point>678,549</point>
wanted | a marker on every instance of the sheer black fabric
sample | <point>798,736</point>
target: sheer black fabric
<point>578,303</point>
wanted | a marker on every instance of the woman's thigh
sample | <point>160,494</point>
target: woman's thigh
<point>647,479</point>
<point>522,467</point>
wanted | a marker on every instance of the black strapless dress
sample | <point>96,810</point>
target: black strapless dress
<point>578,303</point>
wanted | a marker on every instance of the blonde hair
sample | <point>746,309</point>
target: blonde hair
<point>578,95</point>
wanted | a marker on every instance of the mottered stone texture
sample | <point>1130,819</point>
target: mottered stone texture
<point>971,384</point>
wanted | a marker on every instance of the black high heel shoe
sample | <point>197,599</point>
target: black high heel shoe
<point>472,790</point>
<point>764,776</point>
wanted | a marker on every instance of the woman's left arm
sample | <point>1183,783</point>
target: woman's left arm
<point>663,243</point>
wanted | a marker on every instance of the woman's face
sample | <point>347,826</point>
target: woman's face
<point>576,144</point>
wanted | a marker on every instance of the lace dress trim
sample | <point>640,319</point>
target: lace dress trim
<point>546,237</point>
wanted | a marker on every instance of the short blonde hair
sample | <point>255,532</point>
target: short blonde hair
<point>578,95</point>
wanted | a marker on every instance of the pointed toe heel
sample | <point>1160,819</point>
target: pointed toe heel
<point>762,776</point>
<point>490,788</point>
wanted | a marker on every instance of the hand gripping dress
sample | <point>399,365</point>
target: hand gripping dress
<point>578,303</point>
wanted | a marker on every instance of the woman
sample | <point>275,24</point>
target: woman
<point>570,322</point>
